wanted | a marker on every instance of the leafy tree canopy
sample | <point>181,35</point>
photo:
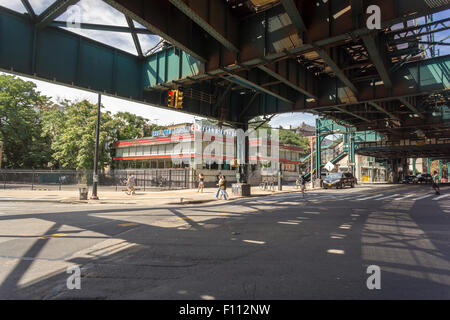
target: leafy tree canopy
<point>20,124</point>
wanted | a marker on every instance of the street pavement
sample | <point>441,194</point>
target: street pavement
<point>108,196</point>
<point>280,246</point>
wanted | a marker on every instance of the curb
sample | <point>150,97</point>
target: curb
<point>135,201</point>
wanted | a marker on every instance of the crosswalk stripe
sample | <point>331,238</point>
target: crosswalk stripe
<point>405,197</point>
<point>441,197</point>
<point>388,197</point>
<point>423,197</point>
<point>372,197</point>
<point>354,196</point>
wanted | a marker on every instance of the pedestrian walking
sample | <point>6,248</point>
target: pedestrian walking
<point>303,184</point>
<point>223,187</point>
<point>218,177</point>
<point>201,182</point>
<point>131,181</point>
<point>436,183</point>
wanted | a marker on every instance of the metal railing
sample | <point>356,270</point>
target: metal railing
<point>146,179</point>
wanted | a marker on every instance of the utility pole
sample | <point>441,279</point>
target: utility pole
<point>97,134</point>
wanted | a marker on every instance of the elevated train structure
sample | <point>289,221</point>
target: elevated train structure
<point>238,59</point>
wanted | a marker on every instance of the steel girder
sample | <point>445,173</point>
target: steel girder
<point>373,46</point>
<point>29,9</point>
<point>285,85</point>
<point>256,44</point>
<point>100,27</point>
<point>411,107</point>
<point>214,17</point>
<point>137,44</point>
<point>60,56</point>
<point>440,151</point>
<point>52,12</point>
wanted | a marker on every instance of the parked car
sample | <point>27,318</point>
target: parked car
<point>410,179</point>
<point>339,180</point>
<point>424,178</point>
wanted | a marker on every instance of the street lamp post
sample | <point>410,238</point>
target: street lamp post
<point>97,134</point>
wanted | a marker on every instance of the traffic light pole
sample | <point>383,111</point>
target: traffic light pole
<point>97,133</point>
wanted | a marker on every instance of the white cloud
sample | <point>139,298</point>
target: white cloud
<point>98,12</point>
<point>293,119</point>
<point>40,5</point>
<point>15,5</point>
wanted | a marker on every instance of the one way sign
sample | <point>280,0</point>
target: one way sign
<point>329,166</point>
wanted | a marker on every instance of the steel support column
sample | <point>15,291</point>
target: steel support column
<point>52,12</point>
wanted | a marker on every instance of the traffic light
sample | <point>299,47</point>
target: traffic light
<point>171,98</point>
<point>179,100</point>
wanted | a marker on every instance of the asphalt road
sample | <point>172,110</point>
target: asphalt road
<point>274,247</point>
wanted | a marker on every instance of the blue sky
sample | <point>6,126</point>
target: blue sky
<point>96,11</point>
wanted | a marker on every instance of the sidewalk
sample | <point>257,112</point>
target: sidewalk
<point>185,196</point>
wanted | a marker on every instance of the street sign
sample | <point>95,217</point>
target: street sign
<point>329,166</point>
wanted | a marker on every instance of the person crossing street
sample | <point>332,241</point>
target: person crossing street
<point>436,183</point>
<point>302,184</point>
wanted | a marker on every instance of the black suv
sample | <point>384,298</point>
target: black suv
<point>339,180</point>
<point>424,178</point>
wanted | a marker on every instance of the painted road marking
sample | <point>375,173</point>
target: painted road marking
<point>337,236</point>
<point>285,222</point>
<point>423,197</point>
<point>405,197</point>
<point>372,197</point>
<point>127,224</point>
<point>254,241</point>
<point>389,197</point>
<point>353,197</point>
<point>441,197</point>
<point>336,251</point>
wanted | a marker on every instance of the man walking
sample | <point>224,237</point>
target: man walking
<point>223,187</point>
<point>436,183</point>
<point>302,184</point>
<point>218,177</point>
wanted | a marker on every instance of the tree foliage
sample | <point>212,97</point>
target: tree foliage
<point>131,126</point>
<point>20,124</point>
<point>285,136</point>
<point>72,133</point>
<point>292,138</point>
<point>71,129</point>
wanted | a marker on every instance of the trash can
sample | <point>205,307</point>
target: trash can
<point>83,193</point>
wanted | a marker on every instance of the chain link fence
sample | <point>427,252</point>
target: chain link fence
<point>146,179</point>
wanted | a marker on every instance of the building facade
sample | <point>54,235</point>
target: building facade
<point>204,147</point>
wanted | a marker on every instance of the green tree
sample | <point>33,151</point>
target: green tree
<point>285,136</point>
<point>20,124</point>
<point>72,134</point>
<point>292,138</point>
<point>131,126</point>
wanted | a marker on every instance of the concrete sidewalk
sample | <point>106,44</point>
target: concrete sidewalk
<point>185,196</point>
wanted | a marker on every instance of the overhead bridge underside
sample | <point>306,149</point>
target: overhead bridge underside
<point>235,60</point>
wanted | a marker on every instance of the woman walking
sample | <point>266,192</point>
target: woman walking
<point>201,182</point>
